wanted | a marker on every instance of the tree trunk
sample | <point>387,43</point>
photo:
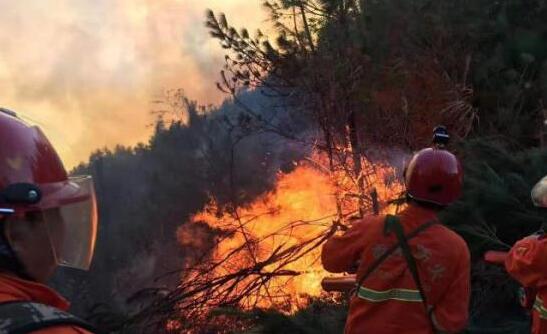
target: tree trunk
<point>356,156</point>
<point>306,27</point>
<point>328,144</point>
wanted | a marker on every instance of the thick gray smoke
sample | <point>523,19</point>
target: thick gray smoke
<point>87,70</point>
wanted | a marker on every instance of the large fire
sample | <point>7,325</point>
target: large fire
<point>268,252</point>
<point>301,206</point>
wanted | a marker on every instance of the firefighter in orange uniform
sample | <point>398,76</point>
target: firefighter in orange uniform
<point>389,298</point>
<point>46,219</point>
<point>527,263</point>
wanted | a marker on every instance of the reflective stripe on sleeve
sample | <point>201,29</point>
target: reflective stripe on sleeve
<point>540,308</point>
<point>405,295</point>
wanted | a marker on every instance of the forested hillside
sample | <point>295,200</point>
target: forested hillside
<point>340,89</point>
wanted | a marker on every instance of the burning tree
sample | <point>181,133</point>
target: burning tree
<point>359,72</point>
<point>299,72</point>
<point>351,68</point>
<point>267,252</point>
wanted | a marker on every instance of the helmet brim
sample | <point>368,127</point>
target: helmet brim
<point>539,193</point>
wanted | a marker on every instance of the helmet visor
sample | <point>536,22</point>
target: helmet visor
<point>72,227</point>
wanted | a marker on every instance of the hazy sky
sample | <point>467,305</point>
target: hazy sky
<point>87,70</point>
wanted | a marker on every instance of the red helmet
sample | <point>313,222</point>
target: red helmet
<point>33,178</point>
<point>434,175</point>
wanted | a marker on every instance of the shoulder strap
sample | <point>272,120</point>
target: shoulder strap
<point>372,268</point>
<point>22,317</point>
<point>392,224</point>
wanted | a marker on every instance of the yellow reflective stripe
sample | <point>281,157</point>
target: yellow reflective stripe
<point>540,308</point>
<point>405,295</point>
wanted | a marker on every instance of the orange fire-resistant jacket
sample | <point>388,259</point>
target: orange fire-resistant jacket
<point>388,301</point>
<point>527,263</point>
<point>14,289</point>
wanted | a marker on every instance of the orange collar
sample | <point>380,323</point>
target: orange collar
<point>15,289</point>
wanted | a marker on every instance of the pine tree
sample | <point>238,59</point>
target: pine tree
<point>496,211</point>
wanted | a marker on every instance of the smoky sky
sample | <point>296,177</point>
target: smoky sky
<point>88,71</point>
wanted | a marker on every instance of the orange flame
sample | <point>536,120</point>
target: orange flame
<point>300,209</point>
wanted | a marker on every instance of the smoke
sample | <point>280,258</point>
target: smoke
<point>87,71</point>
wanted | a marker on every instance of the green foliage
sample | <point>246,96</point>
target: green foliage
<point>496,209</point>
<point>505,40</point>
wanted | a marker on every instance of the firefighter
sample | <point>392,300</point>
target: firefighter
<point>46,220</point>
<point>527,263</point>
<point>424,289</point>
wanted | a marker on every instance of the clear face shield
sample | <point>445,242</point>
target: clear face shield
<point>72,225</point>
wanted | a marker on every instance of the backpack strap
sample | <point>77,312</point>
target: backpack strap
<point>22,317</point>
<point>372,268</point>
<point>392,224</point>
